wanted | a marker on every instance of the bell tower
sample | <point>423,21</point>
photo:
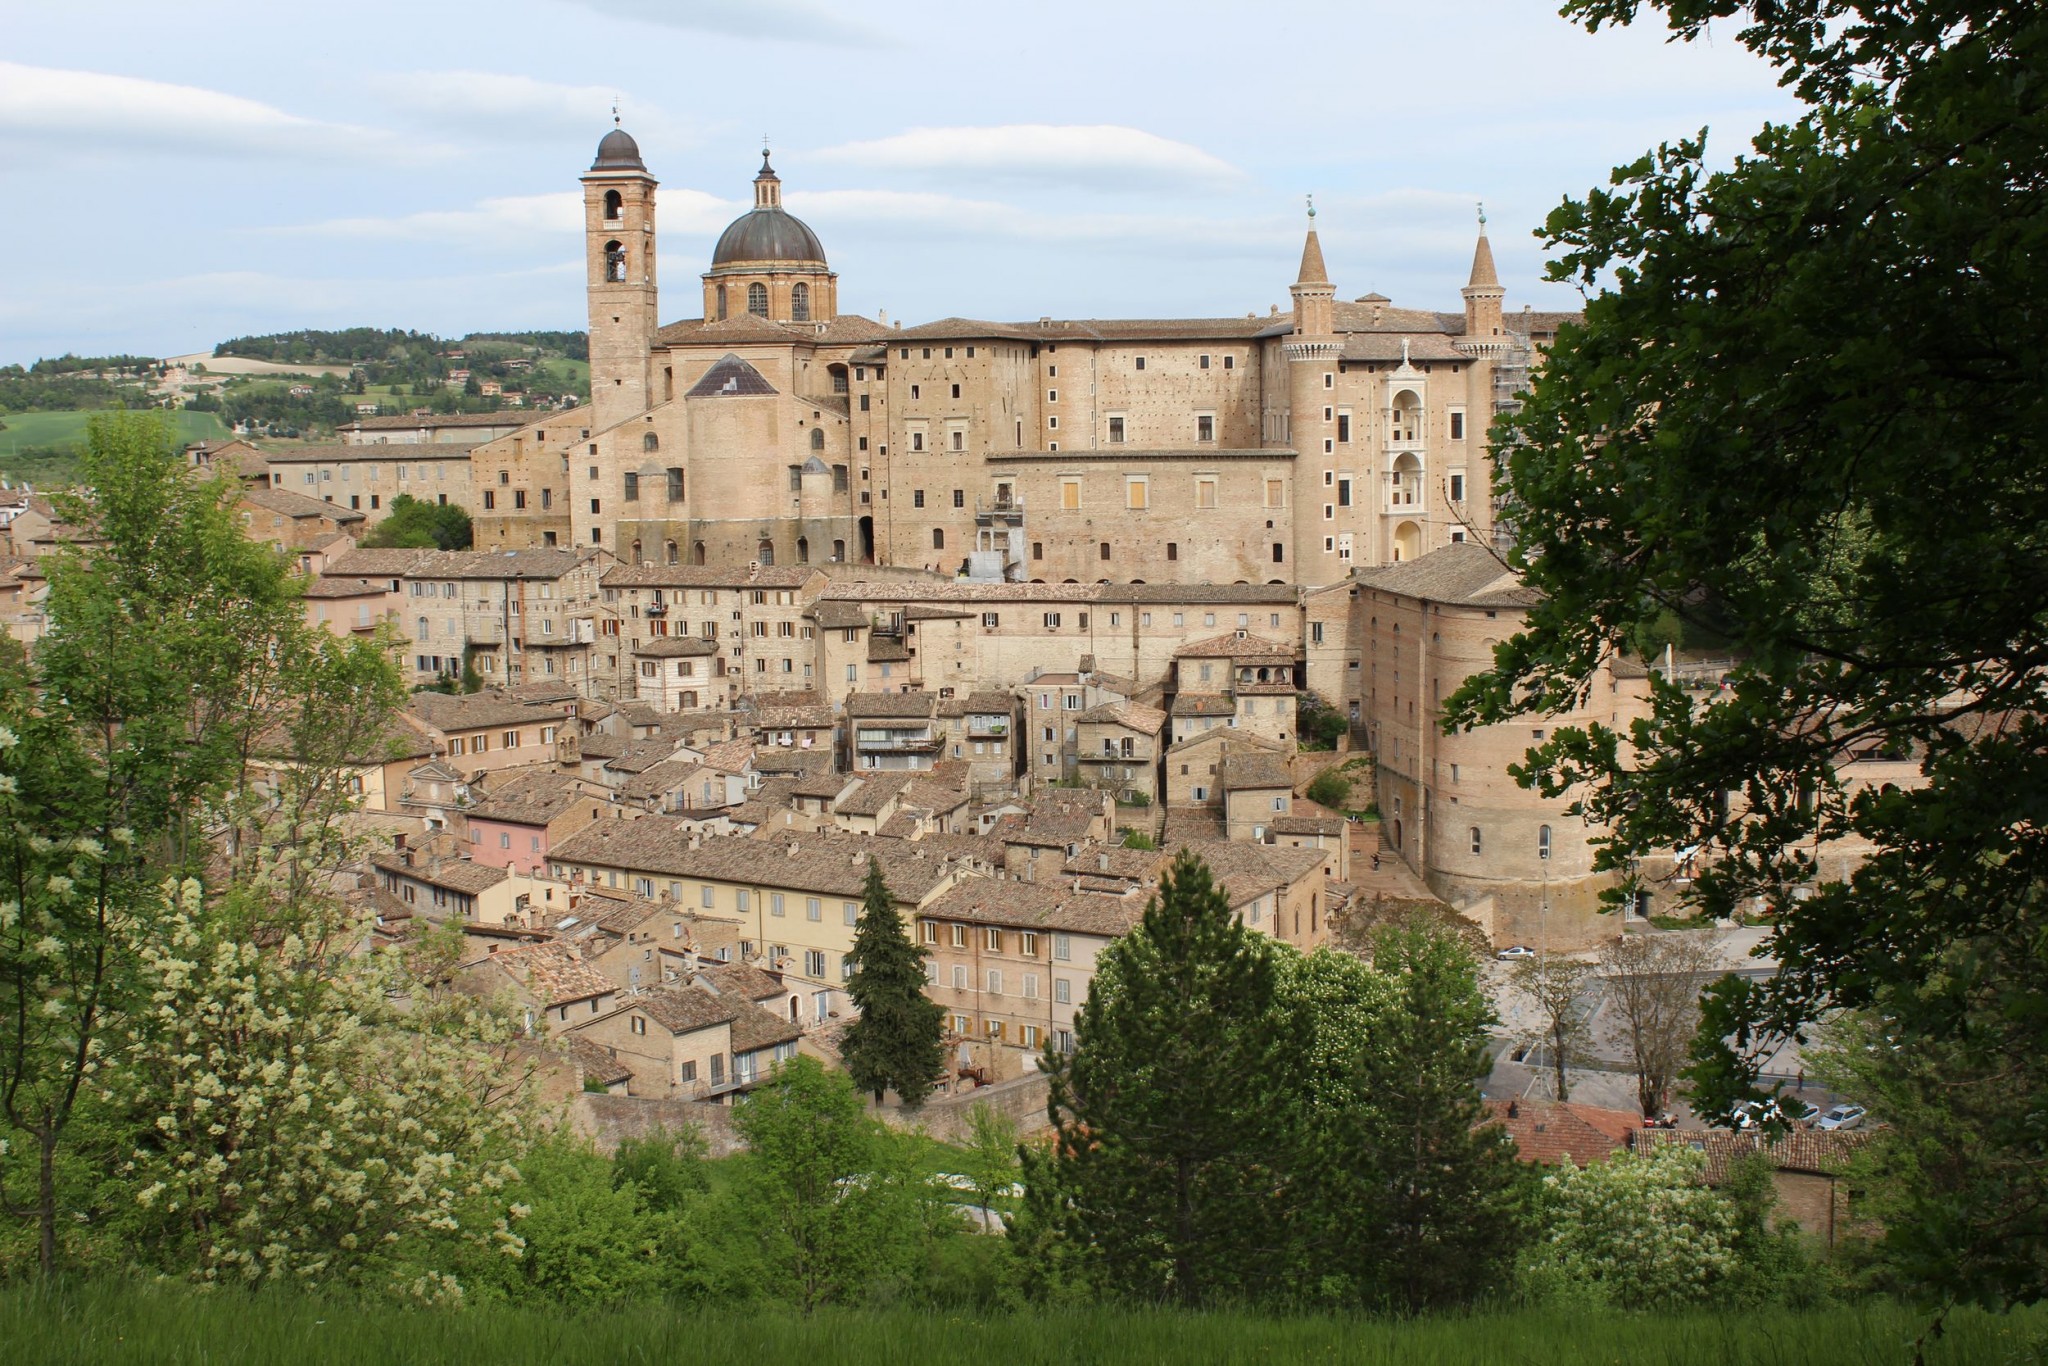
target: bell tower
<point>618,236</point>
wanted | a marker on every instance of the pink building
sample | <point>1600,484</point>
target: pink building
<point>517,821</point>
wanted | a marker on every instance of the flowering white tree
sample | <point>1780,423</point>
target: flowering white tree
<point>309,1122</point>
<point>1635,1231</point>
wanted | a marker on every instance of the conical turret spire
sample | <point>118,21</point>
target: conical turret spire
<point>1483,274</point>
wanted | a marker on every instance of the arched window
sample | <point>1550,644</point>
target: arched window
<point>613,203</point>
<point>757,299</point>
<point>1476,839</point>
<point>1542,841</point>
<point>650,442</point>
<point>674,556</point>
<point>721,303</point>
<point>765,551</point>
<point>938,538</point>
<point>697,552</point>
<point>800,303</point>
<point>636,552</point>
<point>614,262</point>
<point>817,438</point>
<point>803,550</point>
<point>838,551</point>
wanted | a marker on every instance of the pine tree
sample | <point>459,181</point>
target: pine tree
<point>1439,1188</point>
<point>898,1041</point>
<point>1162,1184</point>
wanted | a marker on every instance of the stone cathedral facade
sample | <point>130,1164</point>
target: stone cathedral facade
<point>770,428</point>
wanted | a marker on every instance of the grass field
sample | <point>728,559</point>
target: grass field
<point>53,440</point>
<point>165,1327</point>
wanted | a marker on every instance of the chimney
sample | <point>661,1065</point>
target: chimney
<point>792,848</point>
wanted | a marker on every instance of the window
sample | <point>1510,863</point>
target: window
<point>612,204</point>
<point>848,910</point>
<point>1173,550</point>
<point>1052,621</point>
<point>708,898</point>
<point>1063,990</point>
<point>813,910</point>
<point>1276,493</point>
<point>959,497</point>
<point>1139,363</point>
<point>1476,839</point>
<point>1063,948</point>
<point>1116,430</point>
<point>938,538</point>
<point>1457,487</point>
<point>959,936</point>
<point>632,488</point>
<point>995,984</point>
<point>1542,841</point>
<point>1343,426</point>
<point>1137,494</point>
<point>992,939</point>
<point>775,903</point>
<point>800,304</point>
<point>1070,494</point>
<point>928,932</point>
<point>1205,427</point>
<point>1344,492</point>
<point>757,299</point>
<point>1205,493</point>
<point>1027,943</point>
<point>1104,549</point>
<point>917,498</point>
<point>1457,424</point>
<point>959,977</point>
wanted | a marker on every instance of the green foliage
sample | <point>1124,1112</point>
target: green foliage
<point>127,763</point>
<point>1159,1187</point>
<point>666,1167</point>
<point>1634,1232</point>
<point>578,1237</point>
<point>897,1041</point>
<point>1138,839</point>
<point>1319,724</point>
<point>1810,418</point>
<point>415,523</point>
<point>1330,788</point>
<point>824,1207</point>
<point>991,1157</point>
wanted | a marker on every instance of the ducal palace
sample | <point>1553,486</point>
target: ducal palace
<point>770,428</point>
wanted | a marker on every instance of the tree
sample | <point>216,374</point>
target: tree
<point>1653,982</point>
<point>1636,1232</point>
<point>1161,1184</point>
<point>1406,1199</point>
<point>175,646</point>
<point>1553,986</point>
<point>823,1193</point>
<point>414,523</point>
<point>897,1042</point>
<point>1330,788</point>
<point>991,1158</point>
<point>292,1124</point>
<point>1809,418</point>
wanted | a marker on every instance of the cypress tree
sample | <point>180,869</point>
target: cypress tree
<point>1163,1182</point>
<point>898,1040</point>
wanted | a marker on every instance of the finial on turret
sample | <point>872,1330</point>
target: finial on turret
<point>1311,208</point>
<point>1482,215</point>
<point>615,111</point>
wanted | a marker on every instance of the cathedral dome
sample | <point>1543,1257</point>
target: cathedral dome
<point>768,235</point>
<point>767,232</point>
<point>618,152</point>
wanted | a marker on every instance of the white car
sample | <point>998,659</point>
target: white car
<point>1515,954</point>
<point>1841,1117</point>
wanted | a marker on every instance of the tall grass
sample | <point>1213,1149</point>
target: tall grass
<point>151,1326</point>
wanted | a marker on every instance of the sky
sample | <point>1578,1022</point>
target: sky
<point>174,175</point>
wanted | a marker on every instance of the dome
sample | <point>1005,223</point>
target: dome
<point>618,152</point>
<point>768,234</point>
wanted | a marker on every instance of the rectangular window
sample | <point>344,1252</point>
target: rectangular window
<point>1027,943</point>
<point>1205,427</point>
<point>849,911</point>
<point>1063,948</point>
<point>1276,493</point>
<point>1343,426</point>
<point>1070,494</point>
<point>959,977</point>
<point>775,903</point>
<point>992,939</point>
<point>632,488</point>
<point>1137,494</point>
<point>1457,425</point>
<point>708,898</point>
<point>1063,990</point>
<point>1030,988</point>
<point>1116,431</point>
<point>917,498</point>
<point>928,932</point>
<point>959,936</point>
<point>995,982</point>
<point>1457,488</point>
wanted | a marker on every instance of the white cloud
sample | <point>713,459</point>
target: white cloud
<point>772,21</point>
<point>517,220</point>
<point>124,113</point>
<point>517,109</point>
<point>1092,154</point>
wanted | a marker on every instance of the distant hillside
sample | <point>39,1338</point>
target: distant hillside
<point>393,346</point>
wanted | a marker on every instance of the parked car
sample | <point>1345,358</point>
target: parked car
<point>1515,954</point>
<point>1788,1110</point>
<point>1841,1117</point>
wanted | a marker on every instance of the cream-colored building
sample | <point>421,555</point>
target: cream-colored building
<point>770,428</point>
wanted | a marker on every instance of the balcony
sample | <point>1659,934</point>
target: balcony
<point>999,511</point>
<point>982,729</point>
<point>898,742</point>
<point>1107,756</point>
<point>656,609</point>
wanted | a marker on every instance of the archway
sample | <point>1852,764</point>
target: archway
<point>1407,541</point>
